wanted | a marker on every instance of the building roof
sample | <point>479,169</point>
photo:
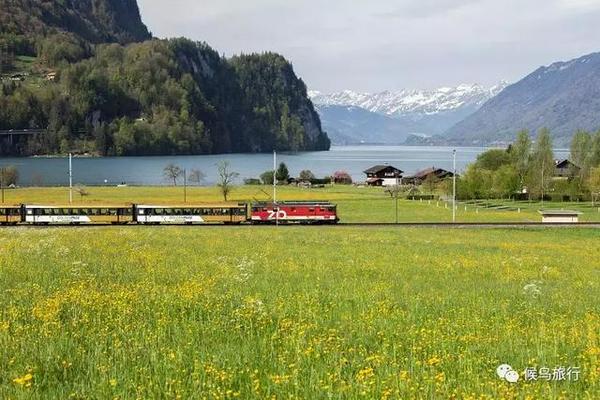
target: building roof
<point>379,168</point>
<point>569,213</point>
<point>564,163</point>
<point>428,171</point>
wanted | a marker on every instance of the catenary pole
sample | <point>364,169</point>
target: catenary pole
<point>397,192</point>
<point>275,208</point>
<point>184,185</point>
<point>454,186</point>
<point>2,183</point>
<point>70,178</point>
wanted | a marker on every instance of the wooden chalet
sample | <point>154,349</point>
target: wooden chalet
<point>383,175</point>
<point>565,168</point>
<point>428,173</point>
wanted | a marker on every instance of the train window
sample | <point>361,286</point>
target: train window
<point>2,211</point>
<point>312,209</point>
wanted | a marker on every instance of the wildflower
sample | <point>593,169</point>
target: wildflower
<point>365,374</point>
<point>433,361</point>
<point>25,380</point>
<point>532,290</point>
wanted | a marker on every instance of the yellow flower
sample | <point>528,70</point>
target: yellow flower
<point>433,361</point>
<point>24,380</point>
<point>113,382</point>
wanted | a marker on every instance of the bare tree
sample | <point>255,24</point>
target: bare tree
<point>196,176</point>
<point>226,178</point>
<point>83,192</point>
<point>9,175</point>
<point>394,191</point>
<point>172,172</point>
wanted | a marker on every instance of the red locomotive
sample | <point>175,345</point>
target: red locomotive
<point>299,212</point>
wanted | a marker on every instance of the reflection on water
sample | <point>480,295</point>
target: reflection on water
<point>149,170</point>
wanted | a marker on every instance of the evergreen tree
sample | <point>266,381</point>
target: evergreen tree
<point>283,173</point>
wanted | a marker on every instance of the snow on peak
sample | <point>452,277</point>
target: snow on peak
<point>398,103</point>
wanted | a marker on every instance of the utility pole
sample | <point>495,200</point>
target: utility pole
<point>275,208</point>
<point>397,192</point>
<point>184,185</point>
<point>454,186</point>
<point>2,183</point>
<point>70,178</point>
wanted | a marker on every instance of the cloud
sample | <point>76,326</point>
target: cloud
<point>579,5</point>
<point>390,44</point>
<point>425,8</point>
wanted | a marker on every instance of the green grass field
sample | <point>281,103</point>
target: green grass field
<point>312,313</point>
<point>355,204</point>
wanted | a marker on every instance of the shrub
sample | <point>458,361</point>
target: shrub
<point>342,177</point>
<point>252,181</point>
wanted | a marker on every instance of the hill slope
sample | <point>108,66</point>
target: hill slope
<point>147,97</point>
<point>91,20</point>
<point>563,97</point>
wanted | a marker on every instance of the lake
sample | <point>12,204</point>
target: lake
<point>149,170</point>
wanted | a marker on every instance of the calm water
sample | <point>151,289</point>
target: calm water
<point>149,170</point>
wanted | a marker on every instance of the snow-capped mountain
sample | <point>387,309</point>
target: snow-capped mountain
<point>563,97</point>
<point>393,116</point>
<point>403,102</point>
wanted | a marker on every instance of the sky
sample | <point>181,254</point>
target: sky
<point>376,45</point>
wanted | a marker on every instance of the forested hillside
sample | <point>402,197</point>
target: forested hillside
<point>68,71</point>
<point>91,20</point>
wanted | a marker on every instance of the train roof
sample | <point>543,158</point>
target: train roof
<point>193,205</point>
<point>77,205</point>
<point>295,203</point>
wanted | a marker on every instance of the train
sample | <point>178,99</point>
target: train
<point>268,213</point>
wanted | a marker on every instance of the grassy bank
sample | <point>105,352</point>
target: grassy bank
<point>355,204</point>
<point>296,313</point>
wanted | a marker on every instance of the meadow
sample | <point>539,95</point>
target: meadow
<point>312,313</point>
<point>355,204</point>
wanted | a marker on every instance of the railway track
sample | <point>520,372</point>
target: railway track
<point>458,225</point>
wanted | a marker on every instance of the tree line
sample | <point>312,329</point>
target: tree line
<point>527,170</point>
<point>159,97</point>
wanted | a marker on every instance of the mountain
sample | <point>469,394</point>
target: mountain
<point>84,74</point>
<point>91,20</point>
<point>392,117</point>
<point>562,97</point>
<point>347,125</point>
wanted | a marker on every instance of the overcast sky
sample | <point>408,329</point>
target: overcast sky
<point>375,45</point>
